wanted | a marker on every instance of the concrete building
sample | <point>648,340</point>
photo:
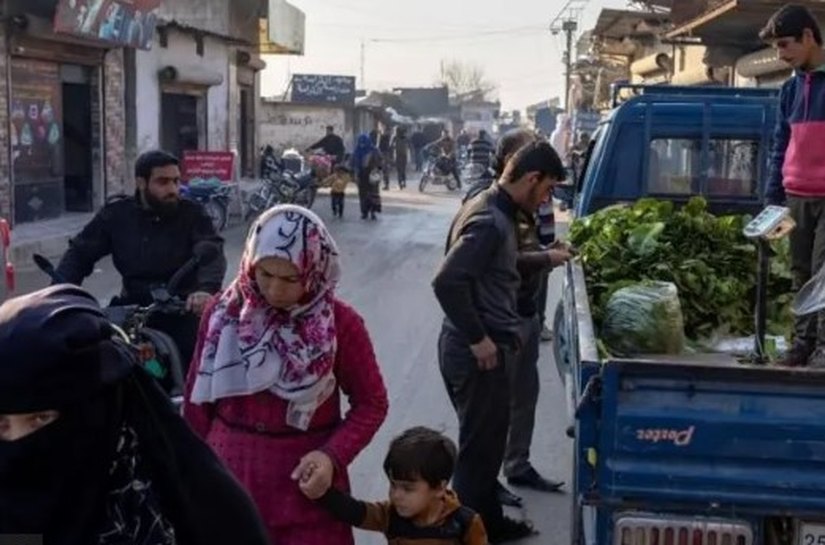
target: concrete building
<point>63,135</point>
<point>198,88</point>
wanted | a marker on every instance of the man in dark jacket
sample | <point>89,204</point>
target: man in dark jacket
<point>477,287</point>
<point>797,174</point>
<point>331,144</point>
<point>150,236</point>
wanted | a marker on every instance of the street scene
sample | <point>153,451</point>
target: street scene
<point>347,272</point>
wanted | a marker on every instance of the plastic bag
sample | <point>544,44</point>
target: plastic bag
<point>811,297</point>
<point>644,318</point>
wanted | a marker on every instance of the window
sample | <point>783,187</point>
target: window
<point>675,167</point>
<point>733,168</point>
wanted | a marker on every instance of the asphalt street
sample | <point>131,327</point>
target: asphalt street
<point>388,265</point>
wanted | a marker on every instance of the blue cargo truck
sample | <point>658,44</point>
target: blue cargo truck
<point>695,449</point>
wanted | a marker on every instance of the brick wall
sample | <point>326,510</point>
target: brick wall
<point>118,178</point>
<point>5,166</point>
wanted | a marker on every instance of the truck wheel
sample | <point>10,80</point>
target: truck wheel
<point>561,345</point>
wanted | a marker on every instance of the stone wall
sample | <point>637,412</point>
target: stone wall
<point>118,179</point>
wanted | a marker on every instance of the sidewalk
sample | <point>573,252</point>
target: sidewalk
<point>49,238</point>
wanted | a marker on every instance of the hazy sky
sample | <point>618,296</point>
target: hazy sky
<point>407,39</point>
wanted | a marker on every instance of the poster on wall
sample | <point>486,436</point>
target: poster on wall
<point>37,138</point>
<point>129,23</point>
<point>321,89</point>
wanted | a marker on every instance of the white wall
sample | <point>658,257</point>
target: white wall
<point>285,125</point>
<point>181,51</point>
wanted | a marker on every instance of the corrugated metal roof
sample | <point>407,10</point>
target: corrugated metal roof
<point>738,22</point>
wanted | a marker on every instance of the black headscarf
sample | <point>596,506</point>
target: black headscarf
<point>119,459</point>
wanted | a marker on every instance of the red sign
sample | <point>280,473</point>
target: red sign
<point>208,164</point>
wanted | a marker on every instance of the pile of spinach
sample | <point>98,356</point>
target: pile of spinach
<point>708,258</point>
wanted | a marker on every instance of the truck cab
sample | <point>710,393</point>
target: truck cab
<point>678,142</point>
<point>696,449</point>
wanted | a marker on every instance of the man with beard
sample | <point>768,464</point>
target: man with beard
<point>150,236</point>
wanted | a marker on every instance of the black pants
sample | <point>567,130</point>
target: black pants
<point>337,200</point>
<point>401,167</point>
<point>807,258</point>
<point>482,402</point>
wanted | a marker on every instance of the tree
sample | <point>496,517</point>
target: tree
<point>465,80</point>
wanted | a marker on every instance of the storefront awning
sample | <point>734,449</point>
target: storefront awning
<point>737,22</point>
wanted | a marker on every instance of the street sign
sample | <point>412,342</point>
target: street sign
<point>323,89</point>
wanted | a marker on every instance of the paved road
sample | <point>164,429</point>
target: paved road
<point>388,265</point>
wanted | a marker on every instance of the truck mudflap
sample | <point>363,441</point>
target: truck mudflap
<point>739,436</point>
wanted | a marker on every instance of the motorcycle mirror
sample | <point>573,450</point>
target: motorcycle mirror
<point>205,252</point>
<point>43,264</point>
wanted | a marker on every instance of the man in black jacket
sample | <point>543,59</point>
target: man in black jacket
<point>331,144</point>
<point>477,288</point>
<point>150,236</point>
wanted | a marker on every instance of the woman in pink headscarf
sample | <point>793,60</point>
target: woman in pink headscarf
<point>276,351</point>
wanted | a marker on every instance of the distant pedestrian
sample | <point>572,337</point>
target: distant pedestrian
<point>418,141</point>
<point>400,150</point>
<point>368,166</point>
<point>385,147</point>
<point>477,287</point>
<point>421,508</point>
<point>337,183</point>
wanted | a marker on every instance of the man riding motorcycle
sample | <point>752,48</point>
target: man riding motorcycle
<point>150,236</point>
<point>446,147</point>
<point>331,144</point>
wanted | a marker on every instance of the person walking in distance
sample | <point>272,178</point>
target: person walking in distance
<point>797,173</point>
<point>476,286</point>
<point>400,150</point>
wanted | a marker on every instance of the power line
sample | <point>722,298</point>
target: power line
<point>453,37</point>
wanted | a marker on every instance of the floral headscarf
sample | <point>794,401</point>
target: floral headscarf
<point>251,347</point>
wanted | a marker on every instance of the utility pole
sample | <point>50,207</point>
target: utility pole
<point>567,21</point>
<point>363,63</point>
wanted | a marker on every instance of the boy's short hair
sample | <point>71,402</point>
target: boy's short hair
<point>537,156</point>
<point>421,453</point>
<point>790,22</point>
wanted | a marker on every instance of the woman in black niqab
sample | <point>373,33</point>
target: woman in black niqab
<point>118,465</point>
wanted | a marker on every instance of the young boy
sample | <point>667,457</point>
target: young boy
<point>797,174</point>
<point>421,509</point>
<point>337,182</point>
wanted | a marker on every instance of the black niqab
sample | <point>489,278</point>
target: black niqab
<point>58,352</point>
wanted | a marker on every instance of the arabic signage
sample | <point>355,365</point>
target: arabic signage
<point>207,165</point>
<point>129,23</point>
<point>318,89</point>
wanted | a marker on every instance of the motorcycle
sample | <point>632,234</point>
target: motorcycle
<point>157,352</point>
<point>214,196</point>
<point>281,186</point>
<point>438,170</point>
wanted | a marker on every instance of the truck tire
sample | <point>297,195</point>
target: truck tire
<point>561,344</point>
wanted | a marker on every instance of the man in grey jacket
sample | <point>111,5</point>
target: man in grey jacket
<point>477,288</point>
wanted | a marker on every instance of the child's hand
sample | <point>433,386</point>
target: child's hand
<point>314,474</point>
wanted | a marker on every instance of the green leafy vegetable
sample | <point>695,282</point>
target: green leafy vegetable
<point>705,256</point>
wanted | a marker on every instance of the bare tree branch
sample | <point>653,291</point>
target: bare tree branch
<point>465,80</point>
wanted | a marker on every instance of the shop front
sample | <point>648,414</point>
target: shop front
<point>64,93</point>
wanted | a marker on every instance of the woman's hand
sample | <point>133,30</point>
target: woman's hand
<point>314,474</point>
